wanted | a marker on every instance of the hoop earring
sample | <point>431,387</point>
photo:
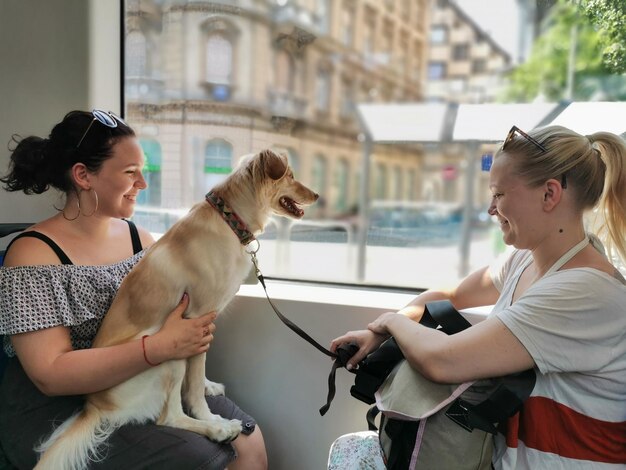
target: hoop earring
<point>95,195</point>
<point>77,212</point>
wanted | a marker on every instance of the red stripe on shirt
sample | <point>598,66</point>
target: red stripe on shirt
<point>548,426</point>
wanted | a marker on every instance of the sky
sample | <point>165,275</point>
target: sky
<point>497,17</point>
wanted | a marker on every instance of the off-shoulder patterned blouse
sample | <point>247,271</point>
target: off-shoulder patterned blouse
<point>37,297</point>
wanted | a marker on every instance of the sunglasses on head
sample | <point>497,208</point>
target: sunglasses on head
<point>106,118</point>
<point>511,135</point>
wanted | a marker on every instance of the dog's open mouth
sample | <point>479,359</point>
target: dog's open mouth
<point>291,206</point>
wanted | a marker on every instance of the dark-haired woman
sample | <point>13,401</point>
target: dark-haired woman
<point>59,279</point>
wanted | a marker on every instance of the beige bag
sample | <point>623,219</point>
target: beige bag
<point>408,400</point>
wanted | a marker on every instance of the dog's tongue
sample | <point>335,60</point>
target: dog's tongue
<point>291,206</point>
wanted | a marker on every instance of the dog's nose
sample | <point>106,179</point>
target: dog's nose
<point>317,196</point>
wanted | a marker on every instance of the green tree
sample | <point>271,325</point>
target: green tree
<point>609,18</point>
<point>597,56</point>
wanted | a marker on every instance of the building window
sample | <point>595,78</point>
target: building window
<point>318,177</point>
<point>380,181</point>
<point>479,66</point>
<point>322,12</point>
<point>341,189</point>
<point>285,72</point>
<point>460,52</point>
<point>151,196</point>
<point>136,52</point>
<point>406,10</point>
<point>369,29</point>
<point>347,20</point>
<point>437,70</point>
<point>217,164</point>
<point>322,100</point>
<point>438,35</point>
<point>398,184</point>
<point>219,59</point>
<point>347,98</point>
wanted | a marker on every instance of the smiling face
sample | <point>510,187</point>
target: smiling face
<point>119,179</point>
<point>516,206</point>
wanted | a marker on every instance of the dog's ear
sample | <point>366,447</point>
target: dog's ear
<point>274,165</point>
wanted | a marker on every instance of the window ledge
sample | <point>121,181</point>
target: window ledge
<point>351,296</point>
<point>346,296</point>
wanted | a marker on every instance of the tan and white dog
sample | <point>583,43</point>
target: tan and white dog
<point>200,255</point>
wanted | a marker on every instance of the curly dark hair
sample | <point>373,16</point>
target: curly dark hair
<point>40,163</point>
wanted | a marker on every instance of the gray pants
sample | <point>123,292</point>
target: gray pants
<point>27,416</point>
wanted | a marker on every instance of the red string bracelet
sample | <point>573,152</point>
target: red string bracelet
<point>145,356</point>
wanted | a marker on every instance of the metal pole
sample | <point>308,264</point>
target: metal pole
<point>468,209</point>
<point>364,201</point>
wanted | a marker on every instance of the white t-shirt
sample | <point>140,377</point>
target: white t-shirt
<point>573,324</point>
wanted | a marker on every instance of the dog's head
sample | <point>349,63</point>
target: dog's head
<point>275,181</point>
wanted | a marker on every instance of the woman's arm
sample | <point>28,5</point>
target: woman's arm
<point>56,369</point>
<point>475,290</point>
<point>487,349</point>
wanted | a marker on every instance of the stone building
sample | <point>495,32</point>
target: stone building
<point>208,81</point>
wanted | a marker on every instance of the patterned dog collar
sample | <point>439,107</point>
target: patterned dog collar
<point>234,222</point>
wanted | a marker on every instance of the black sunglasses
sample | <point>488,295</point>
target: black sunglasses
<point>106,118</point>
<point>511,135</point>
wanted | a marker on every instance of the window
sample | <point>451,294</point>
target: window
<point>347,20</point>
<point>380,181</point>
<point>438,35</point>
<point>460,52</point>
<point>437,70</point>
<point>319,177</point>
<point>341,188</point>
<point>369,29</point>
<point>479,66</point>
<point>347,98</point>
<point>323,90</point>
<point>136,48</point>
<point>398,184</point>
<point>215,166</point>
<point>219,58</point>
<point>204,86</point>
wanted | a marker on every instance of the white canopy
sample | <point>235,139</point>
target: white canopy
<point>437,122</point>
<point>589,117</point>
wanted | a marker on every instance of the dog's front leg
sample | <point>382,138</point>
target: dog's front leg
<point>213,426</point>
<point>197,386</point>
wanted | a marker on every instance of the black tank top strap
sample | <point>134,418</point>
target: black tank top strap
<point>134,236</point>
<point>48,241</point>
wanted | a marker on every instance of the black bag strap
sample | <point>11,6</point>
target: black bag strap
<point>442,313</point>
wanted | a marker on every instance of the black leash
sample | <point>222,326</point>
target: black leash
<point>340,359</point>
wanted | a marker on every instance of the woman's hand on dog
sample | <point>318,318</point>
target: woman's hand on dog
<point>179,337</point>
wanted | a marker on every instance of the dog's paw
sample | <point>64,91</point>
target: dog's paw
<point>213,389</point>
<point>225,430</point>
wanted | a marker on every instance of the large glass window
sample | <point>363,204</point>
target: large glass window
<point>374,110</point>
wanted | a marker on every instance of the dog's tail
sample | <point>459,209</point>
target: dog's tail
<point>76,442</point>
